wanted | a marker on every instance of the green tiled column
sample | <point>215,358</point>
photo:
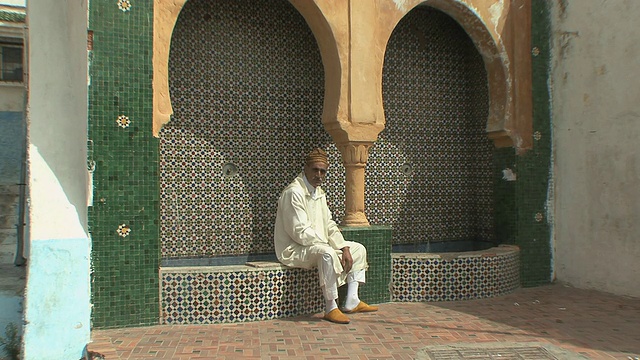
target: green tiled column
<point>533,167</point>
<point>123,218</point>
<point>504,197</point>
<point>377,240</point>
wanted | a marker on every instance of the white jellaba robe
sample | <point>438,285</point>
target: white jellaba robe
<point>304,229</point>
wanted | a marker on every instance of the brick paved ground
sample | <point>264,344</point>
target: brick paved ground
<point>582,323</point>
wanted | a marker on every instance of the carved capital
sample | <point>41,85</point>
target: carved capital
<point>355,153</point>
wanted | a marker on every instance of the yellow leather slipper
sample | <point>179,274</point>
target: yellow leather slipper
<point>336,316</point>
<point>362,307</point>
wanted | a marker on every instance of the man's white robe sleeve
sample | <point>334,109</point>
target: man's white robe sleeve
<point>336,240</point>
<point>296,222</point>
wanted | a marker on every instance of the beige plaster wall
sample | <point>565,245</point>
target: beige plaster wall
<point>596,117</point>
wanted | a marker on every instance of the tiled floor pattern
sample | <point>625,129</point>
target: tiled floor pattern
<point>582,323</point>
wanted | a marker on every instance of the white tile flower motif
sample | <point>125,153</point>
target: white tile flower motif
<point>539,217</point>
<point>124,5</point>
<point>535,51</point>
<point>123,121</point>
<point>123,230</point>
<point>537,135</point>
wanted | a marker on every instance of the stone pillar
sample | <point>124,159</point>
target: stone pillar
<point>354,157</point>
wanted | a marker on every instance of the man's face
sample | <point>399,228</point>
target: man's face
<point>315,173</point>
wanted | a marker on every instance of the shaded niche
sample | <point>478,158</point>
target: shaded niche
<point>436,103</point>
<point>247,84</point>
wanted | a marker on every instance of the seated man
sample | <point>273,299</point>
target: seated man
<point>306,237</point>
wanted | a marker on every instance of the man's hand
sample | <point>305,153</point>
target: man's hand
<point>346,260</point>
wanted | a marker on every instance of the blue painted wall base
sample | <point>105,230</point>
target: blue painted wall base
<point>57,299</point>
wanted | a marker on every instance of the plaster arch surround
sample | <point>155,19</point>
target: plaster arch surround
<point>496,63</point>
<point>489,25</point>
<point>352,38</point>
<point>165,16</point>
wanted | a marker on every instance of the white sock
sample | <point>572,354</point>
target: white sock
<point>352,299</point>
<point>330,305</point>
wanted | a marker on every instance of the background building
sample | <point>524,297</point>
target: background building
<point>12,160</point>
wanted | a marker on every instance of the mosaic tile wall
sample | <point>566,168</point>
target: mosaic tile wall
<point>504,196</point>
<point>137,200</point>
<point>225,294</point>
<point>422,277</point>
<point>377,240</point>
<point>430,175</point>
<point>212,295</point>
<point>246,82</point>
<point>246,92</point>
<point>123,157</point>
<point>534,167</point>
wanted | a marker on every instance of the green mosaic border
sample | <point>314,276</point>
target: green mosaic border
<point>504,197</point>
<point>377,241</point>
<point>125,279</point>
<point>534,167</point>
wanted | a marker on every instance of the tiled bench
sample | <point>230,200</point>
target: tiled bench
<point>418,277</point>
<point>263,289</point>
<point>237,293</point>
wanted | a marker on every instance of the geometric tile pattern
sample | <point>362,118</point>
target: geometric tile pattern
<point>246,91</point>
<point>227,294</point>
<point>430,174</point>
<point>455,276</point>
<point>250,97</point>
<point>212,295</point>
<point>247,85</point>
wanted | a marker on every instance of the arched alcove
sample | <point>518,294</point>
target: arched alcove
<point>246,82</point>
<point>496,63</point>
<point>432,166</point>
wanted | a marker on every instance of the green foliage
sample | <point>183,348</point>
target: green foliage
<point>10,343</point>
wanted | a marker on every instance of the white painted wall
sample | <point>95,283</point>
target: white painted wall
<point>596,118</point>
<point>57,298</point>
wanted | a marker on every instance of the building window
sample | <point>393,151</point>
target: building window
<point>11,62</point>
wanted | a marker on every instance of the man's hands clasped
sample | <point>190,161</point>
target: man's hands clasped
<point>346,260</point>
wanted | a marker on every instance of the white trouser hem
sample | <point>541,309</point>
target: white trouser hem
<point>356,276</point>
